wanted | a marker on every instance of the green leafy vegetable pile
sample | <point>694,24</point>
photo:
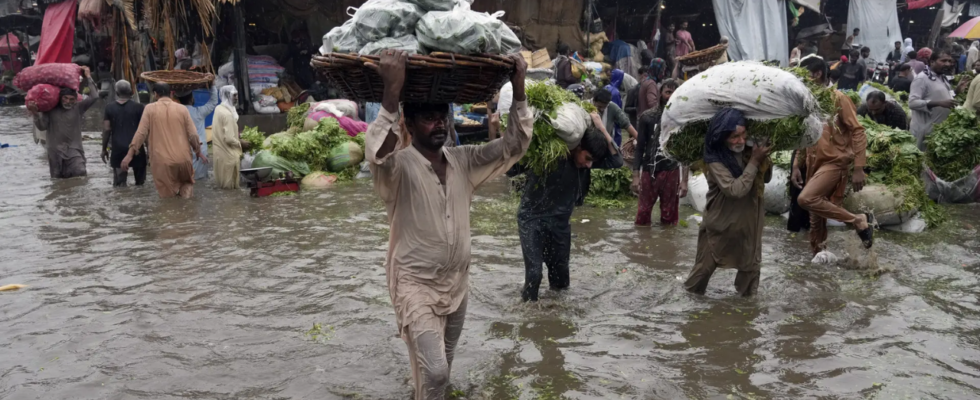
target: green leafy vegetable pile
<point>954,146</point>
<point>854,96</point>
<point>252,135</point>
<point>313,146</point>
<point>296,116</point>
<point>782,159</point>
<point>687,144</point>
<point>610,188</point>
<point>546,148</point>
<point>896,162</point>
<point>968,76</point>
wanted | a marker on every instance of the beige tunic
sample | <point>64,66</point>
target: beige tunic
<point>731,232</point>
<point>172,137</point>
<point>429,251</point>
<point>227,149</point>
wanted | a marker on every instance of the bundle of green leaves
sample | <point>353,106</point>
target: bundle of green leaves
<point>854,96</point>
<point>954,146</point>
<point>296,116</point>
<point>896,162</point>
<point>782,159</point>
<point>313,146</point>
<point>959,78</point>
<point>610,188</point>
<point>252,135</point>
<point>687,144</point>
<point>547,149</point>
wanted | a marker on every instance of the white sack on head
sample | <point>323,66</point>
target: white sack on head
<point>570,123</point>
<point>466,32</point>
<point>378,19</point>
<point>761,92</point>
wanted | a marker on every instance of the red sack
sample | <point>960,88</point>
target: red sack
<point>63,75</point>
<point>45,96</point>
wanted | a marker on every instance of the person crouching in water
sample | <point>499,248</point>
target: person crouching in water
<point>731,233</point>
<point>656,176</point>
<point>427,189</point>
<point>547,205</point>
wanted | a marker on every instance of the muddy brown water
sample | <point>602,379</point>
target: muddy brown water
<point>134,297</point>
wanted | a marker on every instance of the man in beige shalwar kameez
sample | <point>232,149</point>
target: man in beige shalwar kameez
<point>731,232</point>
<point>427,190</point>
<point>167,127</point>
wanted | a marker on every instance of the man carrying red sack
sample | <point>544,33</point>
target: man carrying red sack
<point>66,158</point>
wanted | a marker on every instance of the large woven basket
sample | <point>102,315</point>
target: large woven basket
<point>179,81</point>
<point>629,151</point>
<point>436,78</point>
<point>702,56</point>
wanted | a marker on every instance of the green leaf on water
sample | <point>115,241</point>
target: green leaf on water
<point>740,372</point>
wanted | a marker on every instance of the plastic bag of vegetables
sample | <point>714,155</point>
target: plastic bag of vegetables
<point>341,39</point>
<point>345,155</point>
<point>466,31</point>
<point>279,165</point>
<point>379,19</point>
<point>570,123</point>
<point>782,106</point>
<point>407,43</point>
<point>318,180</point>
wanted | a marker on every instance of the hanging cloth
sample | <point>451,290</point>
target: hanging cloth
<point>57,33</point>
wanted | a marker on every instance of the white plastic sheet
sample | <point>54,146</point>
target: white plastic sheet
<point>407,43</point>
<point>466,31</point>
<point>776,196</point>
<point>378,19</point>
<point>761,92</point>
<point>340,39</point>
<point>878,21</point>
<point>697,192</point>
<point>571,123</point>
<point>757,29</point>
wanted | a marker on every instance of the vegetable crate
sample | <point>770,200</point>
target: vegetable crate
<point>436,78</point>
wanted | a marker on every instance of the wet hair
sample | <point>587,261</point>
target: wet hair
<point>814,64</point>
<point>855,54</point>
<point>563,49</point>
<point>124,89</point>
<point>414,110</point>
<point>186,98</point>
<point>603,96</point>
<point>595,143</point>
<point>856,30</point>
<point>876,95</point>
<point>161,89</point>
<point>865,48</point>
<point>669,83</point>
<point>643,70</point>
<point>904,67</point>
<point>67,92</point>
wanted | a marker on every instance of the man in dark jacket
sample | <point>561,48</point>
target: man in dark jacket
<point>656,176</point>
<point>852,73</point>
<point>122,117</point>
<point>547,205</point>
<point>884,112</point>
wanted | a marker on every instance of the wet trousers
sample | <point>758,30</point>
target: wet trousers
<point>664,185</point>
<point>67,163</point>
<point>119,176</point>
<point>822,196</point>
<point>431,344</point>
<point>799,219</point>
<point>549,241</point>
<point>746,282</point>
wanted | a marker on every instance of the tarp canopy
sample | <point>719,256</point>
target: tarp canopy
<point>878,21</point>
<point>58,33</point>
<point>9,43</point>
<point>757,29</point>
<point>914,4</point>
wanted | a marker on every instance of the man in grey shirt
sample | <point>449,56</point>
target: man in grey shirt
<point>613,117</point>
<point>931,98</point>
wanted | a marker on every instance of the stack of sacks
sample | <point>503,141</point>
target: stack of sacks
<point>263,73</point>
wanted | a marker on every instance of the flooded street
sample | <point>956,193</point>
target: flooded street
<point>133,297</point>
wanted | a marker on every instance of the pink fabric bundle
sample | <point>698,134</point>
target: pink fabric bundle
<point>350,125</point>
<point>63,75</point>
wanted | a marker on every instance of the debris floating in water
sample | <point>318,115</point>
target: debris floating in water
<point>15,286</point>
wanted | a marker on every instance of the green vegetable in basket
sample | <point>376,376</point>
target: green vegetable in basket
<point>954,146</point>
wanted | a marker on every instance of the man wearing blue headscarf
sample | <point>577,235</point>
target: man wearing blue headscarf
<point>731,232</point>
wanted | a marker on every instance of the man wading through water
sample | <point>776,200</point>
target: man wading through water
<point>66,158</point>
<point>122,117</point>
<point>427,190</point>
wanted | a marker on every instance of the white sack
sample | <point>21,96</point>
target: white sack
<point>378,19</point>
<point>273,109</point>
<point>878,22</point>
<point>571,123</point>
<point>338,107</point>
<point>914,225</point>
<point>776,197</point>
<point>880,200</point>
<point>341,39</point>
<point>963,190</point>
<point>757,29</point>
<point>407,43</point>
<point>265,100</point>
<point>697,192</point>
<point>466,32</point>
<point>825,257</point>
<point>762,93</point>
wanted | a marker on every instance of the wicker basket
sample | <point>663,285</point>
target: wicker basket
<point>629,151</point>
<point>436,78</point>
<point>702,56</point>
<point>179,81</point>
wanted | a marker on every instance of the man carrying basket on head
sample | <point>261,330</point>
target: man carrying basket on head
<point>427,190</point>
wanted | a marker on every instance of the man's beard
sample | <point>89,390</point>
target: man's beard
<point>737,149</point>
<point>437,139</point>
<point>68,106</point>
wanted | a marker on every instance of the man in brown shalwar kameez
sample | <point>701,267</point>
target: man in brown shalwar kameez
<point>427,189</point>
<point>841,146</point>
<point>731,232</point>
<point>172,137</point>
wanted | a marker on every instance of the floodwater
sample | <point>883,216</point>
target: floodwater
<point>134,297</point>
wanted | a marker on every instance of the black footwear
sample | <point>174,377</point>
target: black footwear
<point>868,235</point>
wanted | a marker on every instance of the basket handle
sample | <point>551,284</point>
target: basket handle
<point>349,12</point>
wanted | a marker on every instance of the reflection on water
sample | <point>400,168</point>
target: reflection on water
<point>131,296</point>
